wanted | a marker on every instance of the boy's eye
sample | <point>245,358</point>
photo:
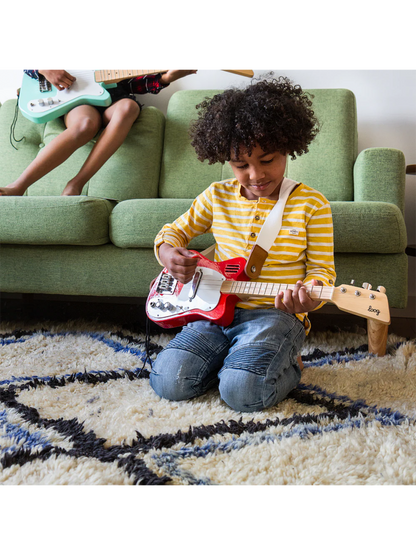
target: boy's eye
<point>267,161</point>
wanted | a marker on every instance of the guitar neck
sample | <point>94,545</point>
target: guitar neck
<point>258,289</point>
<point>110,75</point>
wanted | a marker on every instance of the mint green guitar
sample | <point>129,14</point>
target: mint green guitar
<point>40,101</point>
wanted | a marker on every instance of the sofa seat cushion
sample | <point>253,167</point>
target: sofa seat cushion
<point>368,227</point>
<point>365,227</point>
<point>135,223</point>
<point>54,220</point>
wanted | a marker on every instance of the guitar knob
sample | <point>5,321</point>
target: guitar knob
<point>169,306</point>
<point>366,285</point>
<point>381,289</point>
<point>50,101</point>
<point>41,102</point>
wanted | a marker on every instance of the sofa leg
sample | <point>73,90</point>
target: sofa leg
<point>300,363</point>
<point>377,337</point>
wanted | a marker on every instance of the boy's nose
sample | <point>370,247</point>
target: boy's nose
<point>257,174</point>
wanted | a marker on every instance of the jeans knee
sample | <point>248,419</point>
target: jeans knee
<point>242,391</point>
<point>170,380</point>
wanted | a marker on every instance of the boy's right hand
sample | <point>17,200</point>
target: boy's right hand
<point>179,262</point>
<point>59,78</point>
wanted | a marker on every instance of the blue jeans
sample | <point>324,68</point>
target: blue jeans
<point>254,360</point>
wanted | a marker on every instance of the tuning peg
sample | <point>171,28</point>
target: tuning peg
<point>381,289</point>
<point>352,281</point>
<point>366,285</point>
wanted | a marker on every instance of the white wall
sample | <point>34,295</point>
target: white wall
<point>386,106</point>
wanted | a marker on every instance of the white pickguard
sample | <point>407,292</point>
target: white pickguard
<point>206,298</point>
<point>85,85</point>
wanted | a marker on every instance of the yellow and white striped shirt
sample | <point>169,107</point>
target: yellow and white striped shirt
<point>302,250</point>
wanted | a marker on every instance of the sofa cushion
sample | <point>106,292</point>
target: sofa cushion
<point>368,227</point>
<point>328,166</point>
<point>54,220</point>
<point>135,223</point>
<point>182,174</point>
<point>132,171</point>
<point>13,161</point>
<point>365,227</point>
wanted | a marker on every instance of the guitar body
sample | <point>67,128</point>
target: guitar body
<point>171,304</point>
<point>41,106</point>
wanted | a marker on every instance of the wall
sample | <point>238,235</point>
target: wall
<point>386,109</point>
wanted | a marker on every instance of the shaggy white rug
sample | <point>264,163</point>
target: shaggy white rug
<point>76,408</point>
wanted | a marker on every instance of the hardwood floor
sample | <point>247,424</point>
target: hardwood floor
<point>130,313</point>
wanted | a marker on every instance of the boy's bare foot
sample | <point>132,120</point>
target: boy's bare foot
<point>11,191</point>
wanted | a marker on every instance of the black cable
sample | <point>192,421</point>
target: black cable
<point>13,125</point>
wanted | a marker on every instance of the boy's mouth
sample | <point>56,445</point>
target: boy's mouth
<point>260,186</point>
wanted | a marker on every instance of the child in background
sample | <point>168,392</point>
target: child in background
<point>83,123</point>
<point>254,359</point>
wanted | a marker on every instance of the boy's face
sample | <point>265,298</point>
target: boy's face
<point>260,174</point>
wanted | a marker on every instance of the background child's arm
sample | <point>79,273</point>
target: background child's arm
<point>59,78</point>
<point>153,84</point>
<point>175,74</point>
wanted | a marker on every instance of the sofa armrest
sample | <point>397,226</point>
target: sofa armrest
<point>379,175</point>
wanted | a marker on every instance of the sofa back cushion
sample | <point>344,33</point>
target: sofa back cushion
<point>328,166</point>
<point>132,172</point>
<point>13,161</point>
<point>182,174</point>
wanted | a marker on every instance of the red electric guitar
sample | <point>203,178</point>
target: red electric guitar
<point>218,286</point>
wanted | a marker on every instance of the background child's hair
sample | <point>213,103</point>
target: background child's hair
<point>273,113</point>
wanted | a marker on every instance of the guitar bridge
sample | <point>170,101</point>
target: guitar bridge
<point>166,284</point>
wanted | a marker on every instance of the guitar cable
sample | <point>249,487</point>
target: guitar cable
<point>13,124</point>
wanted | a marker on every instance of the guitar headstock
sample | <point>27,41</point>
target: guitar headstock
<point>363,301</point>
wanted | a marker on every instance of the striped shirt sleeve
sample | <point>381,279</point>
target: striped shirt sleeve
<point>196,221</point>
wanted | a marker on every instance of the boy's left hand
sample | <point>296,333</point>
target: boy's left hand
<point>173,74</point>
<point>297,300</point>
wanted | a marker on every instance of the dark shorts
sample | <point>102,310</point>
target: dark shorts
<point>122,90</point>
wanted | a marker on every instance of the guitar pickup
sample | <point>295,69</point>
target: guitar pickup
<point>44,85</point>
<point>195,282</point>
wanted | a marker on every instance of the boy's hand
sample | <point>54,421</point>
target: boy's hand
<point>175,74</point>
<point>297,300</point>
<point>179,262</point>
<point>59,78</point>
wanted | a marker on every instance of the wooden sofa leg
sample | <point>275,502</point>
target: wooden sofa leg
<point>300,363</point>
<point>377,337</point>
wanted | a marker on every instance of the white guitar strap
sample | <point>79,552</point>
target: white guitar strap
<point>269,231</point>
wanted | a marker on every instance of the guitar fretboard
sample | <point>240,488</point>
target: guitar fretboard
<point>109,76</point>
<point>258,289</point>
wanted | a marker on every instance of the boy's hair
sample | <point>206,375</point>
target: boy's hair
<point>274,114</point>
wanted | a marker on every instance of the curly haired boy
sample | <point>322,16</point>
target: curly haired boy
<point>254,359</point>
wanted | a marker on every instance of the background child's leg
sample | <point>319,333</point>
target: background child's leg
<point>117,119</point>
<point>83,122</point>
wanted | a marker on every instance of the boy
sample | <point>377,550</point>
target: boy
<point>254,359</point>
<point>83,123</point>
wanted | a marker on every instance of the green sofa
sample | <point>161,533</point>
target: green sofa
<point>88,245</point>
